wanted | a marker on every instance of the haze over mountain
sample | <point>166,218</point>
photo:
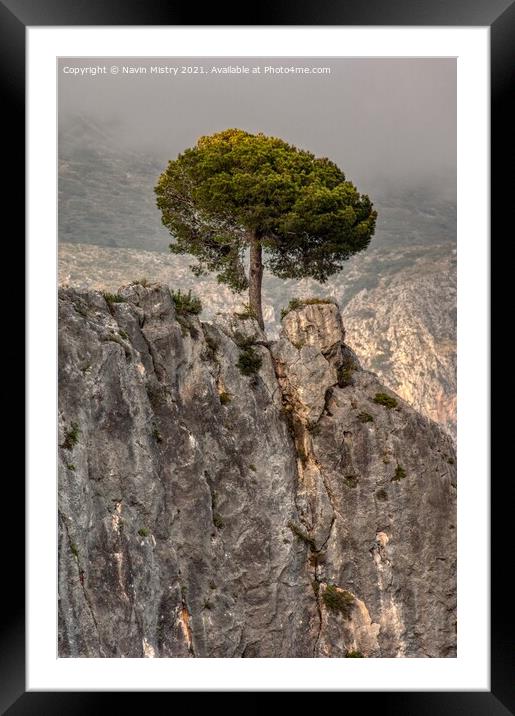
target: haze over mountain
<point>110,234</point>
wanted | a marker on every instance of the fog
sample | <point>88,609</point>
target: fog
<point>388,123</point>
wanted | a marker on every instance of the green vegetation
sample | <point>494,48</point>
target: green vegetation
<point>249,362</point>
<point>399,474</point>
<point>243,341</point>
<point>186,303</point>
<point>354,655</point>
<point>338,600</point>
<point>218,520</point>
<point>211,343</point>
<point>246,313</point>
<point>344,376</point>
<point>81,309</point>
<point>70,466</point>
<point>351,480</point>
<point>364,417</point>
<point>293,304</point>
<point>300,302</point>
<point>386,400</point>
<point>71,437</point>
<point>252,467</point>
<point>112,297</point>
<point>123,334</point>
<point>143,532</point>
<point>74,550</point>
<point>299,532</point>
<point>225,398</point>
<point>234,191</point>
<point>156,434</point>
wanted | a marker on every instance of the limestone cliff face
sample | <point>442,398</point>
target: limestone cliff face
<point>301,510</point>
<point>405,331</point>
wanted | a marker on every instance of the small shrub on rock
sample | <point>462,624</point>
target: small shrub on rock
<point>111,298</point>
<point>399,474</point>
<point>249,362</point>
<point>186,303</point>
<point>385,400</point>
<point>338,600</point>
<point>71,437</point>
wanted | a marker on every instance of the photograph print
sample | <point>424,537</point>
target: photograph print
<point>257,357</point>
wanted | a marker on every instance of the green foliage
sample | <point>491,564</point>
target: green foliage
<point>243,341</point>
<point>156,434</point>
<point>233,185</point>
<point>386,400</point>
<point>382,495</point>
<point>252,467</point>
<point>112,297</point>
<point>123,334</point>
<point>300,302</point>
<point>186,303</point>
<point>344,376</point>
<point>218,520</point>
<point>351,480</point>
<point>81,309</point>
<point>225,398</point>
<point>71,437</point>
<point>246,313</point>
<point>74,550</point>
<point>399,474</point>
<point>249,362</point>
<point>354,655</point>
<point>364,417</point>
<point>338,600</point>
<point>70,466</point>
<point>293,304</point>
<point>301,534</point>
<point>143,532</point>
<point>211,342</point>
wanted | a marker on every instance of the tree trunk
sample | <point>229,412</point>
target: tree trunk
<point>255,279</point>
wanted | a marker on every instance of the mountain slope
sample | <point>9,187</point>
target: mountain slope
<point>405,331</point>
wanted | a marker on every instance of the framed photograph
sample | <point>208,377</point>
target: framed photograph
<point>257,261</point>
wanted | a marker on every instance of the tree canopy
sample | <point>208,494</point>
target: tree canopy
<point>234,189</point>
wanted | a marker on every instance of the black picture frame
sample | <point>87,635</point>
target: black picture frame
<point>499,15</point>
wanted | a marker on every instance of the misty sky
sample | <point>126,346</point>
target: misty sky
<point>388,123</point>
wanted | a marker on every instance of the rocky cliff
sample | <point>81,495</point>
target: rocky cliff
<point>402,319</point>
<point>405,331</point>
<point>221,495</point>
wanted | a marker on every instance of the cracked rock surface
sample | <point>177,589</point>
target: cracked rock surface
<point>208,513</point>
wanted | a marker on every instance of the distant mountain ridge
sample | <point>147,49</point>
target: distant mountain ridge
<point>399,296</point>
